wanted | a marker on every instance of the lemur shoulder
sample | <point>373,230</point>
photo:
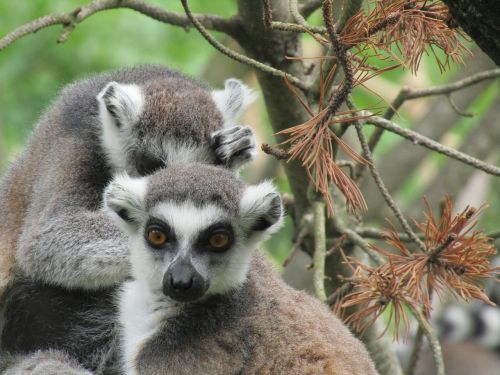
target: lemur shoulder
<point>202,300</point>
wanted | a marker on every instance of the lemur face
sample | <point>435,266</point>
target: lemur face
<point>192,228</point>
<point>173,121</point>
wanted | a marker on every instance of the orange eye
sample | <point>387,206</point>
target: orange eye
<point>219,241</point>
<point>157,238</point>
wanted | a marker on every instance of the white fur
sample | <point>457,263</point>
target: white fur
<point>457,317</point>
<point>256,201</point>
<point>178,153</point>
<point>141,315</point>
<point>129,193</point>
<point>491,319</point>
<point>187,219</point>
<point>129,100</point>
<point>233,100</point>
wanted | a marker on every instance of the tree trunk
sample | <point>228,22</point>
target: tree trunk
<point>479,19</point>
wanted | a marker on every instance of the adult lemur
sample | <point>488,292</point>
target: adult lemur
<point>202,301</point>
<point>133,120</point>
<point>53,235</point>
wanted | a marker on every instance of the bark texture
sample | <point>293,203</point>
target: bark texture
<point>479,19</point>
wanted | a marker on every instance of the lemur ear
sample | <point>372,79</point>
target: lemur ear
<point>124,201</point>
<point>120,104</point>
<point>261,209</point>
<point>231,101</point>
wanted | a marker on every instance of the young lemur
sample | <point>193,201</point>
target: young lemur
<point>53,235</point>
<point>134,120</point>
<point>202,300</point>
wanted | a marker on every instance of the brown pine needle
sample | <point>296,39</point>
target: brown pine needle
<point>456,258</point>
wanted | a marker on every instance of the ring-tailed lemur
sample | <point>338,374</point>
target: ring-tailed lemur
<point>52,229</point>
<point>134,120</point>
<point>476,322</point>
<point>202,300</point>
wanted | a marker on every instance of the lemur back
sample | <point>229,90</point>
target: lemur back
<point>202,300</point>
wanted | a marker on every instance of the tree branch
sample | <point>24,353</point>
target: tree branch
<point>380,183</point>
<point>415,352</point>
<point>437,353</point>
<point>419,139</point>
<point>319,249</point>
<point>410,94</point>
<point>308,8</point>
<point>237,56</point>
<point>69,20</point>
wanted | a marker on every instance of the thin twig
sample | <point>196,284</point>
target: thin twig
<point>70,19</point>
<point>308,8</point>
<point>434,344</point>
<point>459,111</point>
<point>297,17</point>
<point>340,52</point>
<point>275,151</point>
<point>237,56</point>
<point>367,154</point>
<point>304,231</point>
<point>415,352</point>
<point>421,140</point>
<point>357,240</point>
<point>319,249</point>
<point>301,25</point>
<point>411,94</point>
<point>339,293</point>
<point>378,234</point>
<point>434,253</point>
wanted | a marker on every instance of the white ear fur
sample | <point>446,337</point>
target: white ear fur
<point>261,209</point>
<point>124,103</point>
<point>233,100</point>
<point>120,106</point>
<point>124,201</point>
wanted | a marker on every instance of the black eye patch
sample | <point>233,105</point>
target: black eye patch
<point>216,232</point>
<point>154,223</point>
<point>147,164</point>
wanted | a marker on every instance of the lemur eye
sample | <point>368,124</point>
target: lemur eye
<point>156,237</point>
<point>219,241</point>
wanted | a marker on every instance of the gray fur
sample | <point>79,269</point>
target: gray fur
<point>41,363</point>
<point>202,186</point>
<point>255,324</point>
<point>52,229</point>
<point>51,195</point>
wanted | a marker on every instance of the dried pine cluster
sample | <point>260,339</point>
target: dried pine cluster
<point>456,259</point>
<point>407,29</point>
<point>402,30</point>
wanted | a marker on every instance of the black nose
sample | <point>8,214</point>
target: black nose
<point>183,283</point>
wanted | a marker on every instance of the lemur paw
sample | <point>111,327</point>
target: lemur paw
<point>234,146</point>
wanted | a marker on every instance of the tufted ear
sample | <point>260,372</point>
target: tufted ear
<point>231,101</point>
<point>120,106</point>
<point>120,103</point>
<point>261,209</point>
<point>124,201</point>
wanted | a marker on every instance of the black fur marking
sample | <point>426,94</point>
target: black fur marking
<point>123,213</point>
<point>479,326</point>
<point>81,323</point>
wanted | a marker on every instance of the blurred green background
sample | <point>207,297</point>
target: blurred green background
<point>34,69</point>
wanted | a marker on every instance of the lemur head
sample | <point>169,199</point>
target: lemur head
<point>165,122</point>
<point>192,228</point>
